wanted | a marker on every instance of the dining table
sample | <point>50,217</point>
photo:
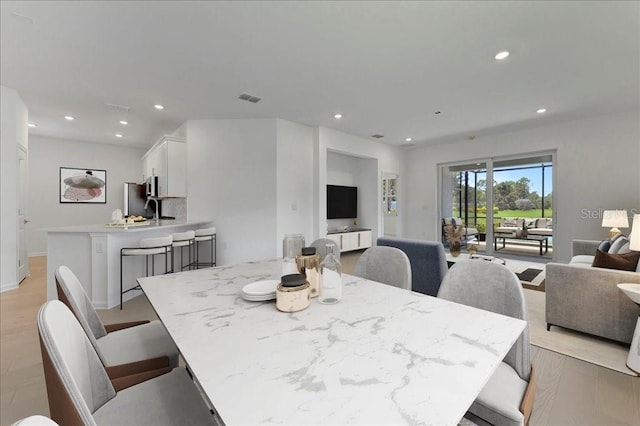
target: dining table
<point>382,355</point>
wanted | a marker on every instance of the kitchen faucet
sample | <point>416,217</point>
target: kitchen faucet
<point>146,204</point>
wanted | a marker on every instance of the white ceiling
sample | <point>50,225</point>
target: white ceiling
<point>386,66</point>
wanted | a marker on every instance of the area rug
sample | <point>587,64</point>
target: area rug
<point>531,274</point>
<point>594,350</point>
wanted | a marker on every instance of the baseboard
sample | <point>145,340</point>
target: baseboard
<point>7,287</point>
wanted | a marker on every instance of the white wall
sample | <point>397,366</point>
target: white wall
<point>597,168</point>
<point>231,168</point>
<point>46,156</point>
<point>389,159</point>
<point>294,176</point>
<point>13,132</point>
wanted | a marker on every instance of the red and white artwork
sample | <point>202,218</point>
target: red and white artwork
<point>82,185</point>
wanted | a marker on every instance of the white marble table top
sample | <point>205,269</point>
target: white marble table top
<point>381,356</point>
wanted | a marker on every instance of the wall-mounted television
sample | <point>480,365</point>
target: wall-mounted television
<point>342,202</point>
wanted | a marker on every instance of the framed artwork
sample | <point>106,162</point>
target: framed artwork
<point>83,185</point>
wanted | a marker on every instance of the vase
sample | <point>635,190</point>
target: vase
<point>454,248</point>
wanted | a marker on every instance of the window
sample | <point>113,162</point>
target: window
<point>389,196</point>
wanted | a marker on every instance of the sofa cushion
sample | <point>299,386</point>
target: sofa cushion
<point>623,262</point>
<point>582,259</point>
<point>618,244</point>
<point>604,246</point>
<point>540,223</point>
<point>512,222</point>
<point>541,231</point>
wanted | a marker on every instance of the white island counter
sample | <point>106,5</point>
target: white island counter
<point>93,254</point>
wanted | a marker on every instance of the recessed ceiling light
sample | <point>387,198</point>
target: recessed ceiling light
<point>158,106</point>
<point>124,122</point>
<point>502,55</point>
<point>541,110</point>
<point>118,135</point>
<point>31,125</point>
<point>408,139</point>
<point>68,117</point>
<point>337,116</point>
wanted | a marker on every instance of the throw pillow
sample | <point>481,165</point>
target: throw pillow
<point>618,244</point>
<point>623,262</point>
<point>509,221</point>
<point>604,246</point>
<point>541,223</point>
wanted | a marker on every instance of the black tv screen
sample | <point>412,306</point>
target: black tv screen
<point>342,202</point>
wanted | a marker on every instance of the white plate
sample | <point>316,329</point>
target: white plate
<point>261,288</point>
<point>258,298</point>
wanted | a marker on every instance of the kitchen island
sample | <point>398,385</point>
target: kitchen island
<point>92,252</point>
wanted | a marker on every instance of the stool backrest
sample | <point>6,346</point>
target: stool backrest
<point>205,232</point>
<point>183,236</point>
<point>156,242</point>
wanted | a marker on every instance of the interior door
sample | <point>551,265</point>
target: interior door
<point>389,204</point>
<point>23,262</point>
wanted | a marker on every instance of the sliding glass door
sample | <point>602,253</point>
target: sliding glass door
<point>523,194</point>
<point>505,204</point>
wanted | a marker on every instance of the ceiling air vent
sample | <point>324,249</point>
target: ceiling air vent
<point>247,97</point>
<point>408,145</point>
<point>377,136</point>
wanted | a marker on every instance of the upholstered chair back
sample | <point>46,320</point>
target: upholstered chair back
<point>72,294</point>
<point>387,265</point>
<point>75,377</point>
<point>491,287</point>
<point>321,247</point>
<point>428,262</point>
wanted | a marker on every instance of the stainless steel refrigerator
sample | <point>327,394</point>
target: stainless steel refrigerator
<point>135,195</point>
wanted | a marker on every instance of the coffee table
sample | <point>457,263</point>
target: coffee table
<point>542,239</point>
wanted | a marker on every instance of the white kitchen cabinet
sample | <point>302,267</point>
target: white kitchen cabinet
<point>348,241</point>
<point>167,159</point>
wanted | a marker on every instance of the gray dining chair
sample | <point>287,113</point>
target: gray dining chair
<point>321,248</point>
<point>507,399</point>
<point>387,265</point>
<point>81,392</point>
<point>36,420</point>
<point>142,342</point>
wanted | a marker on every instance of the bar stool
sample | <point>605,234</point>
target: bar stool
<point>202,236</point>
<point>182,240</point>
<point>147,247</point>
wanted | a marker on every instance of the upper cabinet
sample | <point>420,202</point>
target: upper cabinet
<point>167,159</point>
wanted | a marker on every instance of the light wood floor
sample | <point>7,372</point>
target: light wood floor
<point>569,391</point>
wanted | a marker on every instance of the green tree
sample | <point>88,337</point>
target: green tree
<point>504,195</point>
<point>521,188</point>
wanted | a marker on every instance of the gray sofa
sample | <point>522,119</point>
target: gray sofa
<point>587,299</point>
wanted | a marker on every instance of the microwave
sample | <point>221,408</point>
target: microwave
<point>152,186</point>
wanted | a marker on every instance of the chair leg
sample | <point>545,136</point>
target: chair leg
<point>211,264</point>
